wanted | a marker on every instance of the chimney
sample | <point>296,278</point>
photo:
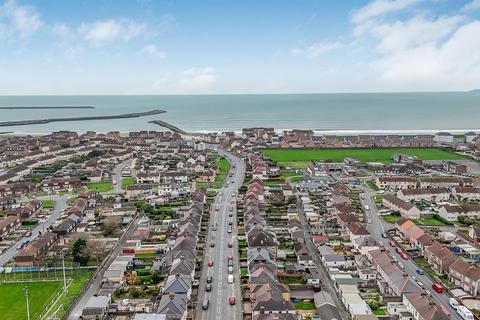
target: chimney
<point>177,275</point>
<point>259,249</point>
<point>182,258</point>
<point>262,310</point>
<point>171,296</point>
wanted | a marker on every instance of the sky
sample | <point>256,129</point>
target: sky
<point>234,47</point>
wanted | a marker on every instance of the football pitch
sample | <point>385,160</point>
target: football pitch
<point>12,298</point>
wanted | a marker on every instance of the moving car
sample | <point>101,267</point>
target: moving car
<point>437,287</point>
<point>367,207</point>
<point>229,258</point>
<point>420,272</point>
<point>404,256</point>
<point>399,250</point>
<point>231,301</point>
<point>392,244</point>
<point>209,279</point>
<point>230,269</point>
<point>28,234</point>
<point>205,304</point>
<point>212,244</point>
<point>230,244</point>
<point>230,278</point>
<point>210,263</point>
<point>384,235</point>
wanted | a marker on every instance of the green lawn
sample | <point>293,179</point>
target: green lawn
<point>12,298</point>
<point>127,182</point>
<point>304,305</point>
<point>379,312</point>
<point>223,169</point>
<point>302,157</point>
<point>101,186</point>
<point>80,279</point>
<point>372,185</point>
<point>391,218</point>
<point>48,204</point>
<point>428,221</point>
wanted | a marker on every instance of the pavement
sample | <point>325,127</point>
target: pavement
<point>219,308</point>
<point>377,227</point>
<point>56,213</point>
<point>94,285</point>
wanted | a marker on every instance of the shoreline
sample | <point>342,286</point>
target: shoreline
<point>316,132</point>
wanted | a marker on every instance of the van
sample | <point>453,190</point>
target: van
<point>205,304</point>
<point>230,278</point>
<point>464,313</point>
<point>454,303</point>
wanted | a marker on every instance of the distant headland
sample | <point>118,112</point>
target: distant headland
<point>44,121</point>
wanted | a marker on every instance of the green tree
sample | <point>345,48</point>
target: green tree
<point>80,252</point>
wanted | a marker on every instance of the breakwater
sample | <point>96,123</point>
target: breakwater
<point>44,107</point>
<point>44,121</point>
<point>168,126</point>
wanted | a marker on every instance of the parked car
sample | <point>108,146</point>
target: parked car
<point>28,234</point>
<point>420,272</point>
<point>209,279</point>
<point>399,250</point>
<point>454,303</point>
<point>210,263</point>
<point>208,287</point>
<point>205,304</point>
<point>230,244</point>
<point>231,301</point>
<point>212,244</point>
<point>384,235</point>
<point>404,256</point>
<point>392,244</point>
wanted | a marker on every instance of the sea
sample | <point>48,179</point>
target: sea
<point>342,113</point>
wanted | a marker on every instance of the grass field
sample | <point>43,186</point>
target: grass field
<point>301,158</point>
<point>127,182</point>
<point>223,169</point>
<point>12,298</point>
<point>48,204</point>
<point>101,186</point>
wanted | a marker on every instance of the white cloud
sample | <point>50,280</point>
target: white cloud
<point>379,8</point>
<point>399,35</point>
<point>315,49</point>
<point>19,20</point>
<point>153,51</point>
<point>197,78</point>
<point>474,5</point>
<point>104,31</point>
<point>453,64</point>
<point>61,29</point>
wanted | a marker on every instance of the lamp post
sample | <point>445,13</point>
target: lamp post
<point>25,290</point>
<point>63,267</point>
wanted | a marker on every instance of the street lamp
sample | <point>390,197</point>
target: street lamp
<point>25,290</point>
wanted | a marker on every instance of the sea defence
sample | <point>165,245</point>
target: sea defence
<point>45,107</point>
<point>44,121</point>
<point>168,126</point>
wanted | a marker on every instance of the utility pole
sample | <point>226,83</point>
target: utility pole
<point>25,290</point>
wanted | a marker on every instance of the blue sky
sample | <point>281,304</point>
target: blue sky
<point>210,47</point>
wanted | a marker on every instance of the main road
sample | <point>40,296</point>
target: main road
<point>60,206</point>
<point>376,226</point>
<point>219,307</point>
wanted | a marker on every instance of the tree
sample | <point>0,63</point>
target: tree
<point>110,225</point>
<point>80,252</point>
<point>96,250</point>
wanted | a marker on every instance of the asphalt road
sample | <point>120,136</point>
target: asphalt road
<point>117,176</point>
<point>219,308</point>
<point>376,227</point>
<point>56,213</point>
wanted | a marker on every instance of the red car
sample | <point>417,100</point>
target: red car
<point>437,287</point>
<point>404,256</point>
<point>231,301</point>
<point>230,258</point>
<point>210,263</point>
<point>392,244</point>
<point>28,234</point>
<point>399,250</point>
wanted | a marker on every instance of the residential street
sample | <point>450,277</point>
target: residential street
<point>219,308</point>
<point>60,206</point>
<point>377,227</point>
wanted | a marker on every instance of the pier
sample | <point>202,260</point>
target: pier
<point>44,121</point>
<point>168,126</point>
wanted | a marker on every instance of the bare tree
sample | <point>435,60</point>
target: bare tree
<point>110,225</point>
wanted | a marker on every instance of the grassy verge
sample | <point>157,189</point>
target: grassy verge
<point>48,204</point>
<point>372,185</point>
<point>391,218</point>
<point>127,182</point>
<point>101,186</point>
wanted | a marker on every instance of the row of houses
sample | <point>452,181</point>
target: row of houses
<point>408,182</point>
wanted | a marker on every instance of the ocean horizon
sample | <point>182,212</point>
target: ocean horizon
<point>332,113</point>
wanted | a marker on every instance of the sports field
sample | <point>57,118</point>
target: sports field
<point>12,298</point>
<point>300,158</point>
